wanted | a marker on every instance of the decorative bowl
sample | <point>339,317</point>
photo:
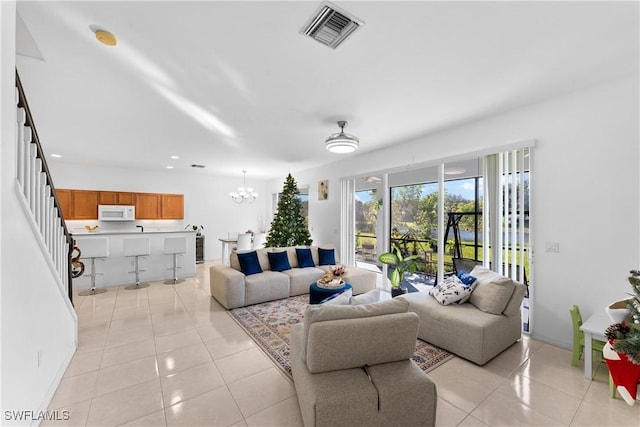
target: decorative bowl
<point>618,311</point>
<point>331,284</point>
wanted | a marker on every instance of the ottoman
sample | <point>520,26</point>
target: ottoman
<point>318,294</point>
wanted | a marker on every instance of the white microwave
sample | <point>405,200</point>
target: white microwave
<point>116,213</point>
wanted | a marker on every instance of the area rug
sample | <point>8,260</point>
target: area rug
<point>269,324</point>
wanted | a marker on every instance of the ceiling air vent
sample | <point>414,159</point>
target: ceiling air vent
<point>198,166</point>
<point>331,26</point>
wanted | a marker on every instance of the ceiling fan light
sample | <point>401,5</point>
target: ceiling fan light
<point>342,142</point>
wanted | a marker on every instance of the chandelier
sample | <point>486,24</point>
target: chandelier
<point>244,194</point>
<point>342,142</point>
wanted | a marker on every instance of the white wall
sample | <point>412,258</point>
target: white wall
<point>36,316</point>
<point>585,193</point>
<point>206,197</point>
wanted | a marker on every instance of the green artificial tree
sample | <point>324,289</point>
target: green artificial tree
<point>289,227</point>
<point>630,343</point>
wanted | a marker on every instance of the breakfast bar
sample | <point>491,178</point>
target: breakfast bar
<point>115,269</point>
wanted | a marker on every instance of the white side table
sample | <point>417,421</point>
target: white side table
<point>594,327</point>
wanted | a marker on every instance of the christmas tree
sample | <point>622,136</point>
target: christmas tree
<point>289,227</point>
<point>630,343</point>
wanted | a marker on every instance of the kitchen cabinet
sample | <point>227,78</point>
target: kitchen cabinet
<point>116,198</point>
<point>84,204</point>
<point>172,206</point>
<point>64,198</point>
<point>148,206</point>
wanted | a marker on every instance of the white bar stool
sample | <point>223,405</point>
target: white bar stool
<point>136,248</point>
<point>96,248</point>
<point>175,246</point>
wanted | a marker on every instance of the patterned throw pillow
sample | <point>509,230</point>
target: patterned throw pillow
<point>451,291</point>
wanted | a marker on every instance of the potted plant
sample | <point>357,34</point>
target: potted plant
<point>401,264</point>
<point>197,228</point>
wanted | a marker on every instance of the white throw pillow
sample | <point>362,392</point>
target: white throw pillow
<point>340,299</point>
<point>451,291</point>
<point>366,298</point>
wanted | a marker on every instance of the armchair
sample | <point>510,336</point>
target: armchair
<point>351,366</point>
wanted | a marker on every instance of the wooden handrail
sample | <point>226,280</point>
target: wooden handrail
<point>22,103</point>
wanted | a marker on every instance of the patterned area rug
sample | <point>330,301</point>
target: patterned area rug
<point>269,324</point>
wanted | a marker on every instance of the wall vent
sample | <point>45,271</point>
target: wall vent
<point>330,25</point>
<point>198,166</point>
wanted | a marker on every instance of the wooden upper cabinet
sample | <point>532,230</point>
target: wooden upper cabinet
<point>148,206</point>
<point>172,206</point>
<point>84,204</point>
<point>126,198</point>
<point>117,198</point>
<point>64,198</point>
<point>108,198</point>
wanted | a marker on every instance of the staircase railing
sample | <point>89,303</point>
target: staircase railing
<point>35,184</point>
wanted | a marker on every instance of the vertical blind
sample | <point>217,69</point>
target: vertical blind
<point>504,208</point>
<point>347,221</point>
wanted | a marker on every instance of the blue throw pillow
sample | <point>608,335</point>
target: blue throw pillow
<point>279,261</point>
<point>304,257</point>
<point>249,263</point>
<point>327,256</point>
<point>466,278</point>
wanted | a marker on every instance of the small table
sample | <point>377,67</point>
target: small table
<point>226,249</point>
<point>318,294</point>
<point>594,327</point>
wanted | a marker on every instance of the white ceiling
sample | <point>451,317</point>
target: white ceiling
<point>234,85</point>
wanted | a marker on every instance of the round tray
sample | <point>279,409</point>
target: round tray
<point>334,284</point>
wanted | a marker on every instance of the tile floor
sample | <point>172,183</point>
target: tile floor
<point>170,355</point>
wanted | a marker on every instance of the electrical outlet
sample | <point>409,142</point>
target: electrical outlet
<point>553,247</point>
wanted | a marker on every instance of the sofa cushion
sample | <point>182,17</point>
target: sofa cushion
<point>367,298</point>
<point>322,312</point>
<point>249,263</point>
<point>451,291</point>
<point>493,291</point>
<point>305,259</point>
<point>349,343</point>
<point>326,256</point>
<point>279,261</point>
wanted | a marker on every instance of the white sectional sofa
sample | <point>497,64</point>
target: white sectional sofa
<point>477,330</point>
<point>232,288</point>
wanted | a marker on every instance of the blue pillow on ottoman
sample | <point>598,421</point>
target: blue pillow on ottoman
<point>249,263</point>
<point>279,261</point>
<point>304,257</point>
<point>327,256</point>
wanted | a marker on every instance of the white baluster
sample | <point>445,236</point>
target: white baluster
<point>20,146</point>
<point>27,163</point>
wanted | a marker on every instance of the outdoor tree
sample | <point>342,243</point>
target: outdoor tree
<point>289,227</point>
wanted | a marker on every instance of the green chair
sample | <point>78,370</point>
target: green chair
<point>578,344</point>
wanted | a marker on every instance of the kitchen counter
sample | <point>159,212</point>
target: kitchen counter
<point>136,232</point>
<point>116,267</point>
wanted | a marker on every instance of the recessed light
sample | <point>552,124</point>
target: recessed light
<point>57,156</point>
<point>175,157</point>
<point>169,167</point>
